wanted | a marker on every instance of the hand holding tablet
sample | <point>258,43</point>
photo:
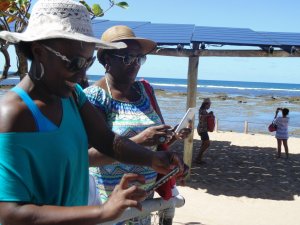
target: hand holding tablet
<point>189,115</point>
<point>162,180</point>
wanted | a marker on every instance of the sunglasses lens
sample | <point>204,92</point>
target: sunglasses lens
<point>128,59</point>
<point>80,63</point>
<point>90,62</point>
<point>131,59</point>
<point>76,64</point>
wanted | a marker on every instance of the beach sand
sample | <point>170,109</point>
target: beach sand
<point>242,183</point>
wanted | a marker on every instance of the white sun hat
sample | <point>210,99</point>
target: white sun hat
<point>59,19</point>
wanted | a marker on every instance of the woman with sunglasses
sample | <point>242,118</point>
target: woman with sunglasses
<point>125,104</point>
<point>47,124</point>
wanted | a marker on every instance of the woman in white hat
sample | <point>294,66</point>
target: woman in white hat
<point>128,110</point>
<point>46,125</point>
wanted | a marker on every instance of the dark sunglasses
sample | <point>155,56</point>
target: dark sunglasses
<point>129,59</point>
<point>76,64</point>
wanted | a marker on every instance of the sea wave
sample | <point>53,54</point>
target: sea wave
<point>249,88</point>
<point>226,87</point>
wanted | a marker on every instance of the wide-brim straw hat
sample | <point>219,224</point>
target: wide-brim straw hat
<point>124,33</point>
<point>65,19</point>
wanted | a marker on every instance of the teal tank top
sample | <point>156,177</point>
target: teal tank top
<point>41,122</point>
<point>47,168</point>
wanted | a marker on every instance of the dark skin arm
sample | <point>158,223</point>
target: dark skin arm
<point>148,137</point>
<point>15,117</point>
<point>276,112</point>
<point>13,213</point>
<point>124,150</point>
<point>145,138</point>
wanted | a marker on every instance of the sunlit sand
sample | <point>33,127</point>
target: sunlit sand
<point>242,183</point>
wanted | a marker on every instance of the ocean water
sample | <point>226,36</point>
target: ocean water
<point>233,102</point>
<point>219,86</point>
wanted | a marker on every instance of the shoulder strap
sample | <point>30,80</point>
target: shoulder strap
<point>42,123</point>
<point>30,104</point>
<point>152,98</point>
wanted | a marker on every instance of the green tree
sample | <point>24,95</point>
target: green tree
<point>14,16</point>
<point>13,12</point>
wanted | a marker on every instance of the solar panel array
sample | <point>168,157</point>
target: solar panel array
<point>169,34</point>
<point>99,26</point>
<point>166,34</point>
<point>283,38</point>
<point>187,34</point>
<point>230,36</point>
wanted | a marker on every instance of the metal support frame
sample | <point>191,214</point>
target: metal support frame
<point>151,205</point>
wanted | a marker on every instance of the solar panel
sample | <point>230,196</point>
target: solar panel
<point>163,34</point>
<point>99,26</point>
<point>283,38</point>
<point>166,34</point>
<point>186,34</point>
<point>230,36</point>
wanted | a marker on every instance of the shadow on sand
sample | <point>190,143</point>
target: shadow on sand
<point>238,171</point>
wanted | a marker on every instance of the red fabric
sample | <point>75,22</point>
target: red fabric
<point>210,123</point>
<point>272,127</point>
<point>165,190</point>
<point>149,93</point>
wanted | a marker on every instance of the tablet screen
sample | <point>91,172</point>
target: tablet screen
<point>189,115</point>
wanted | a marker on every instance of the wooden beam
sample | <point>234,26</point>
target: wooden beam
<point>222,53</point>
<point>191,102</point>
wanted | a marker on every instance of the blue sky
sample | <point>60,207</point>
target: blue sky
<point>259,15</point>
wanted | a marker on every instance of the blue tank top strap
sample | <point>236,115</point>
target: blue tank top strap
<point>42,122</point>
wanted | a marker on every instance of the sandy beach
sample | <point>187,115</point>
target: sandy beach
<point>242,183</point>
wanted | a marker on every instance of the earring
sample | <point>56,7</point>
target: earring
<point>41,74</point>
<point>107,67</point>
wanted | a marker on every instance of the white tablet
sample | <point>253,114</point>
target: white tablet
<point>189,115</point>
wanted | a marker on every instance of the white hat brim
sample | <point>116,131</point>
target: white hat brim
<point>14,37</point>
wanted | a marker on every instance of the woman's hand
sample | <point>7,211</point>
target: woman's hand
<point>125,195</point>
<point>154,135</point>
<point>181,176</point>
<point>184,132</point>
<point>277,111</point>
<point>164,161</point>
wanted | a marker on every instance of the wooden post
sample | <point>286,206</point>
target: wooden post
<point>191,102</point>
<point>246,127</point>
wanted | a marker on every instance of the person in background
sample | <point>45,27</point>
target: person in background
<point>126,105</point>
<point>202,129</point>
<point>47,124</point>
<point>282,135</point>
